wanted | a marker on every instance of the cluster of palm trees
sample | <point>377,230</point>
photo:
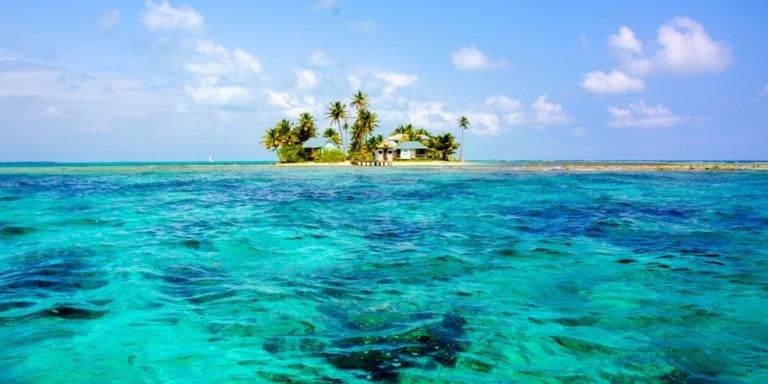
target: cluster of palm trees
<point>365,123</point>
<point>358,144</point>
<point>286,133</point>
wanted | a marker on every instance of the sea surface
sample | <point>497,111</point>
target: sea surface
<point>175,273</point>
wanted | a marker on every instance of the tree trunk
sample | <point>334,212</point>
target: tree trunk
<point>461,148</point>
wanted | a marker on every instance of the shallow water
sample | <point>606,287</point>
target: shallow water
<point>264,274</point>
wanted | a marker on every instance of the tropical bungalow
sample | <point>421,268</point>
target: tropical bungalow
<point>408,150</point>
<point>315,144</point>
<point>384,152</point>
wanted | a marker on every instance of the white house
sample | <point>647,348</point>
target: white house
<point>411,150</point>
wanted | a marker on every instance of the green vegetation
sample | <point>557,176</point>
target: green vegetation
<point>329,156</point>
<point>291,153</point>
<point>330,134</point>
<point>338,112</point>
<point>443,146</point>
<point>288,139</point>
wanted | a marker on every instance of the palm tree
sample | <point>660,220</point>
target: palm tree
<point>405,129</point>
<point>270,140</point>
<point>444,145</point>
<point>374,142</point>
<point>283,132</point>
<point>463,125</point>
<point>305,129</point>
<point>331,134</point>
<point>366,123</point>
<point>359,101</point>
<point>338,112</point>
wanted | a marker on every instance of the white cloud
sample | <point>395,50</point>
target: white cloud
<point>164,16</point>
<point>430,115</point>
<point>484,124</point>
<point>84,100</point>
<point>685,48</point>
<point>110,19</point>
<point>209,92</point>
<point>320,59</point>
<point>211,59</point>
<point>578,132</point>
<point>291,105</point>
<point>625,40</point>
<point>354,82</point>
<point>470,58</point>
<point>50,111</point>
<point>614,82</point>
<point>502,103</point>
<point>247,61</point>
<point>549,113</point>
<point>643,116</point>
<point>305,78</point>
<point>515,118</point>
<point>394,80</point>
<point>281,99</point>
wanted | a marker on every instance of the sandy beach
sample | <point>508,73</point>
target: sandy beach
<point>562,166</point>
<point>411,164</point>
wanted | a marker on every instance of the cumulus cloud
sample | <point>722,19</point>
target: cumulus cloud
<point>614,82</point>
<point>394,80</point>
<point>430,115</point>
<point>641,115</point>
<point>625,40</point>
<point>291,105</point>
<point>685,47</point>
<point>502,103</point>
<point>305,78</point>
<point>211,93</point>
<point>247,61</point>
<point>110,20</point>
<point>470,58</point>
<point>320,59</point>
<point>212,59</point>
<point>549,113</point>
<point>483,123</point>
<point>164,16</point>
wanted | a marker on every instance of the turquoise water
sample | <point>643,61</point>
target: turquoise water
<point>218,274</point>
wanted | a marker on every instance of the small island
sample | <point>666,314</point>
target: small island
<point>357,144</point>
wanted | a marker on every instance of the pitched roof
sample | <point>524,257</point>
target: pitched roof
<point>318,142</point>
<point>397,137</point>
<point>411,145</point>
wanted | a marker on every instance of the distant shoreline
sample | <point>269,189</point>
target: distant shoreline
<point>511,166</point>
<point>410,164</point>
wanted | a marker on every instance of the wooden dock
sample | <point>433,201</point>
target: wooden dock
<point>371,163</point>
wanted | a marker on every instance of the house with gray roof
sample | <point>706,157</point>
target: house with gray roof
<point>315,144</point>
<point>408,150</point>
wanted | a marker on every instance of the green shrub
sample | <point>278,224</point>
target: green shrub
<point>328,156</point>
<point>293,153</point>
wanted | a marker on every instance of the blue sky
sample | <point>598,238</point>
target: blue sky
<point>184,80</point>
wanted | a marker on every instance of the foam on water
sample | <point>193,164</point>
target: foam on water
<point>257,274</point>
